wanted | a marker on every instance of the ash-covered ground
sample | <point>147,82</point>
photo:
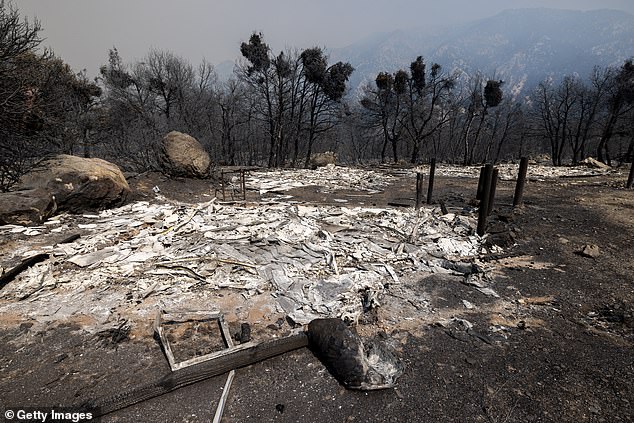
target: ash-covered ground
<point>519,325</point>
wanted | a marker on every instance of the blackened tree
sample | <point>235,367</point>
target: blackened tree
<point>43,103</point>
<point>384,107</point>
<point>324,89</point>
<point>620,102</point>
<point>426,96</point>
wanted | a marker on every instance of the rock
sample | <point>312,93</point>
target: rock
<point>27,207</point>
<point>322,159</point>
<point>182,155</point>
<point>593,163</point>
<point>590,251</point>
<point>78,184</point>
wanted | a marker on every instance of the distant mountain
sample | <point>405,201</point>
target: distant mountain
<point>521,47</point>
<point>224,70</point>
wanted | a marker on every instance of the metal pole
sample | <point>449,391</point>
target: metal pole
<point>521,181</point>
<point>494,184</point>
<point>487,172</point>
<point>419,189</point>
<point>630,179</point>
<point>430,188</point>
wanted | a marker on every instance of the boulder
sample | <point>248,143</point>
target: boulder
<point>590,251</point>
<point>322,159</point>
<point>182,155</point>
<point>27,207</point>
<point>78,184</point>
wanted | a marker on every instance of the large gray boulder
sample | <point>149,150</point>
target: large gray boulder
<point>26,207</point>
<point>182,155</point>
<point>78,184</point>
<point>322,159</point>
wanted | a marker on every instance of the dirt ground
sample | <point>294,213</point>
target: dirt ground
<point>557,346</point>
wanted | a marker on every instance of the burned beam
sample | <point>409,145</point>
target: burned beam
<point>430,187</point>
<point>492,189</point>
<point>419,189</point>
<point>521,181</point>
<point>480,184</point>
<point>483,208</point>
<point>25,264</point>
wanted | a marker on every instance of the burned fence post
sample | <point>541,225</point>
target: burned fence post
<point>430,188</point>
<point>222,184</point>
<point>630,179</point>
<point>486,174</point>
<point>521,181</point>
<point>480,179</point>
<point>443,207</point>
<point>419,189</point>
<point>494,184</point>
<point>243,184</point>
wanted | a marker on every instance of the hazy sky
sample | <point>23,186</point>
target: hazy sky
<point>82,31</point>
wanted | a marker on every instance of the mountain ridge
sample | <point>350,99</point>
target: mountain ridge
<point>519,46</point>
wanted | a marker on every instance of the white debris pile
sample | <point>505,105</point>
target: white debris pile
<point>311,261</point>
<point>329,178</point>
<point>508,171</point>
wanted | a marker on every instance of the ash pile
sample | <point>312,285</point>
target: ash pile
<point>256,262</point>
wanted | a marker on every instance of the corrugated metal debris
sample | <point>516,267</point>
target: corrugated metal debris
<point>284,258</point>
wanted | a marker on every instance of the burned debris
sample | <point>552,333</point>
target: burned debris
<point>357,365</point>
<point>275,275</point>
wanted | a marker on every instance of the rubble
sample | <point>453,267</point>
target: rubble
<point>356,364</point>
<point>508,171</point>
<point>258,262</point>
<point>329,178</point>
<point>290,259</point>
<point>594,163</point>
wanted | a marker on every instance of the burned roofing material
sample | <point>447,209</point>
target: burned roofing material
<point>305,261</point>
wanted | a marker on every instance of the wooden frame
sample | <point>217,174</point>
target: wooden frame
<point>186,316</point>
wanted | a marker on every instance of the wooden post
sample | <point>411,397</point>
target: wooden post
<point>222,184</point>
<point>419,189</point>
<point>430,188</point>
<point>630,179</point>
<point>243,184</point>
<point>443,207</point>
<point>480,179</point>
<point>484,201</point>
<point>521,181</point>
<point>494,184</point>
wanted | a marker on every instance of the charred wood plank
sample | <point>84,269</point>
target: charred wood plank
<point>25,264</point>
<point>233,358</point>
